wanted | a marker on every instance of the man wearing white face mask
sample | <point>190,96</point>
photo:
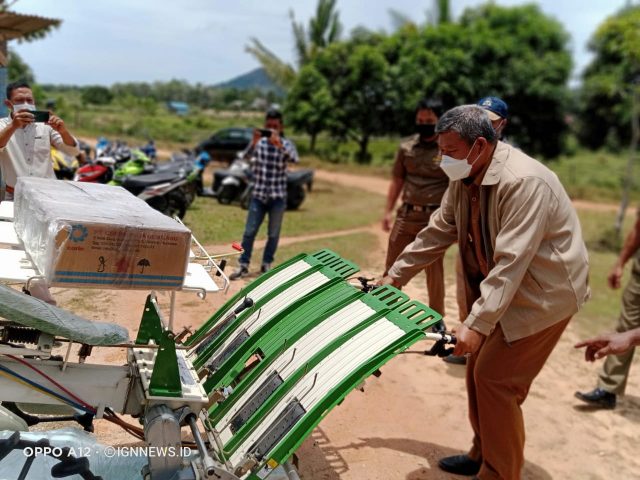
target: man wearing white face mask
<point>25,150</point>
<point>525,268</point>
<point>25,145</point>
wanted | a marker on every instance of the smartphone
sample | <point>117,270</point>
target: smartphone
<point>266,133</point>
<point>40,116</point>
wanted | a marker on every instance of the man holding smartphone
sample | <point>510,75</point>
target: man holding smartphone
<point>26,137</point>
<point>271,152</point>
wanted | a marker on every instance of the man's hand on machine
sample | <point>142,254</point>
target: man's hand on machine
<point>468,341</point>
<point>388,281</point>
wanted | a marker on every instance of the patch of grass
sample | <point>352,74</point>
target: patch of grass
<point>327,208</point>
<point>357,248</point>
<point>135,125</point>
<point>599,313</point>
<point>596,176</point>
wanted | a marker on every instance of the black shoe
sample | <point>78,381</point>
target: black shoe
<point>455,359</point>
<point>265,267</point>
<point>598,398</point>
<point>460,465</point>
<point>242,271</point>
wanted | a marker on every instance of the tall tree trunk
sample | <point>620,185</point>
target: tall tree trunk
<point>312,141</point>
<point>635,134</point>
<point>363,143</point>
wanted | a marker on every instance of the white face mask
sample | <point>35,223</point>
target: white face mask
<point>24,106</point>
<point>457,169</point>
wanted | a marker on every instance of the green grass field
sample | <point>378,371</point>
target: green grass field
<point>327,208</point>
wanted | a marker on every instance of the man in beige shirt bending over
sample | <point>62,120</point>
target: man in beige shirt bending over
<point>25,145</point>
<point>525,268</point>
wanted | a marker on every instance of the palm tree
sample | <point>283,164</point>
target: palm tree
<point>440,13</point>
<point>324,28</point>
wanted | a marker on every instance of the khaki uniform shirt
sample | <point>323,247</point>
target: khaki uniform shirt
<point>538,263</point>
<point>418,163</point>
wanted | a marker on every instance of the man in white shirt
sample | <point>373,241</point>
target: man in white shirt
<point>25,145</point>
<point>25,150</point>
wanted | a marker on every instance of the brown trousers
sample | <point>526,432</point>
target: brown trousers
<point>405,229</point>
<point>499,376</point>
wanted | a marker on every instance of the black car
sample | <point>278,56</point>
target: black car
<point>224,144</point>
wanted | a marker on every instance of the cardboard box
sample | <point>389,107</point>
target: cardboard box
<point>92,235</point>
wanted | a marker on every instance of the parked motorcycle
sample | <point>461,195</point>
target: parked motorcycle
<point>170,187</point>
<point>64,166</point>
<point>233,184</point>
<point>193,163</point>
<point>163,191</point>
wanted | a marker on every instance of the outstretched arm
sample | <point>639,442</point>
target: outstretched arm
<point>609,344</point>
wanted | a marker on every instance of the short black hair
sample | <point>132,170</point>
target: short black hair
<point>272,113</point>
<point>430,103</point>
<point>14,85</point>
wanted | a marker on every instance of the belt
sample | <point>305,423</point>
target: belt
<point>9,189</point>
<point>420,208</point>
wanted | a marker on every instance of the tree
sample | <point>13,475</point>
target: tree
<point>359,83</point>
<point>516,53</point>
<point>96,95</point>
<point>18,69</point>
<point>605,114</point>
<point>611,93</point>
<point>309,105</point>
<point>324,29</point>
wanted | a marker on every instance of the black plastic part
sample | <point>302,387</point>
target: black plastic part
<point>278,429</point>
<point>252,405</point>
<point>215,363</point>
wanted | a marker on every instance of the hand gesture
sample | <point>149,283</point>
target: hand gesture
<point>275,139</point>
<point>22,118</point>
<point>468,341</point>
<point>607,344</point>
<point>615,276</point>
<point>55,122</point>
<point>387,222</point>
<point>388,281</point>
<point>256,136</point>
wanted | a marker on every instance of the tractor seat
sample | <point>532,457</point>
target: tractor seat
<point>35,313</point>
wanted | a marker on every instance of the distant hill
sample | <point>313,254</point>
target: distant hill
<point>254,79</point>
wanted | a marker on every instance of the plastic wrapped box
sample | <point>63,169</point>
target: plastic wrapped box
<point>93,235</point>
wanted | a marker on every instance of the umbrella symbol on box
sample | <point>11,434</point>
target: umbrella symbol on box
<point>143,263</point>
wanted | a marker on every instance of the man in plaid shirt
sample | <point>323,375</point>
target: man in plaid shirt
<point>271,153</point>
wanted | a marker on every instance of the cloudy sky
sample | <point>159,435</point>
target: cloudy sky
<point>107,41</point>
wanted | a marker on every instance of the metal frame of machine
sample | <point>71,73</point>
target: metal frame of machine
<point>250,384</point>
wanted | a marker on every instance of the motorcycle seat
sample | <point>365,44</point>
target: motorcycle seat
<point>35,313</point>
<point>143,181</point>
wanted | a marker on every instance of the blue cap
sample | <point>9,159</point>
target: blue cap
<point>494,105</point>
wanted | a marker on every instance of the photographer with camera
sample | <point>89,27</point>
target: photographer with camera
<point>26,137</point>
<point>271,153</point>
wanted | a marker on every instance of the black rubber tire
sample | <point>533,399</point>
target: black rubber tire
<point>295,198</point>
<point>171,204</point>
<point>227,194</point>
